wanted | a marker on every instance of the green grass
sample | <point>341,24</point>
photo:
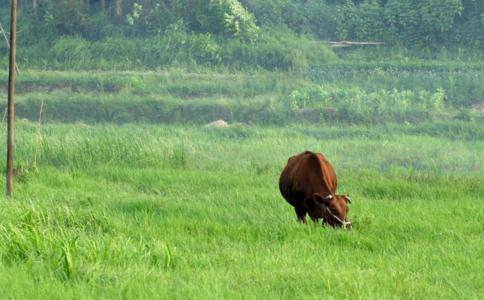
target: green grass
<point>333,94</point>
<point>152,211</point>
<point>112,202</point>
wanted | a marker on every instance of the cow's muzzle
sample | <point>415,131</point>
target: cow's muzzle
<point>345,224</point>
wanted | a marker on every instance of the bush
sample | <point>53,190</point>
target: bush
<point>177,47</point>
<point>420,23</point>
<point>274,50</point>
<point>230,17</point>
<point>277,50</point>
<point>115,52</point>
<point>71,52</point>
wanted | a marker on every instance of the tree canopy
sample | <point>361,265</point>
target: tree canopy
<point>267,34</point>
<point>401,22</point>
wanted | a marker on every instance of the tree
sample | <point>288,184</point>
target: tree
<point>119,9</point>
<point>232,19</point>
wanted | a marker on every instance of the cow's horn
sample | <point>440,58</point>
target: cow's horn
<point>329,197</point>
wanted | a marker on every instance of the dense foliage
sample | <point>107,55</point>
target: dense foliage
<point>270,34</point>
<point>424,22</point>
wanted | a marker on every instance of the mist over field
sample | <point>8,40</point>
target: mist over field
<point>151,134</point>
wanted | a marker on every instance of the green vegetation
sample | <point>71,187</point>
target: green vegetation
<point>122,192</point>
<point>245,34</point>
<point>170,211</point>
<point>140,208</point>
<point>331,94</point>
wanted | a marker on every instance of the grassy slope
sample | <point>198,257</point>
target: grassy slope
<point>337,93</point>
<point>164,212</point>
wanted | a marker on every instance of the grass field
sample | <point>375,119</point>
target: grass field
<point>122,190</point>
<point>171,211</point>
<point>339,93</point>
<point>121,193</point>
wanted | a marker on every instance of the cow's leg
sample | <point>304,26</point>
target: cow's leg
<point>301,213</point>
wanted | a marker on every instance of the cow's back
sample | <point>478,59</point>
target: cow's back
<point>305,174</point>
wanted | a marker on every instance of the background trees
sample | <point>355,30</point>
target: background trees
<point>272,34</point>
<point>403,22</point>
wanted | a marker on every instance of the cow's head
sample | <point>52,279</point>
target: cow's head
<point>333,209</point>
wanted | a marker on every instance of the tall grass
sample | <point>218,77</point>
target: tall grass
<point>388,148</point>
<point>177,211</point>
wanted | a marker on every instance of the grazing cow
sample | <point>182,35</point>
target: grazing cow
<point>308,182</point>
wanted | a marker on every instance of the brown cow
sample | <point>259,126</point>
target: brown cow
<point>308,183</point>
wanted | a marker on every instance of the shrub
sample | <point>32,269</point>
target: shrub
<point>277,50</point>
<point>71,52</point>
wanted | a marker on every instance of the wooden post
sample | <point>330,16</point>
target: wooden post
<point>11,96</point>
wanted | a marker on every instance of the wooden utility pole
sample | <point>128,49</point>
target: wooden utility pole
<point>11,96</point>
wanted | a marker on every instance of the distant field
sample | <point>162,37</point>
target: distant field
<point>158,211</point>
<point>338,93</point>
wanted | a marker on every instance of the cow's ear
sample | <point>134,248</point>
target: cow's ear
<point>318,198</point>
<point>347,198</point>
